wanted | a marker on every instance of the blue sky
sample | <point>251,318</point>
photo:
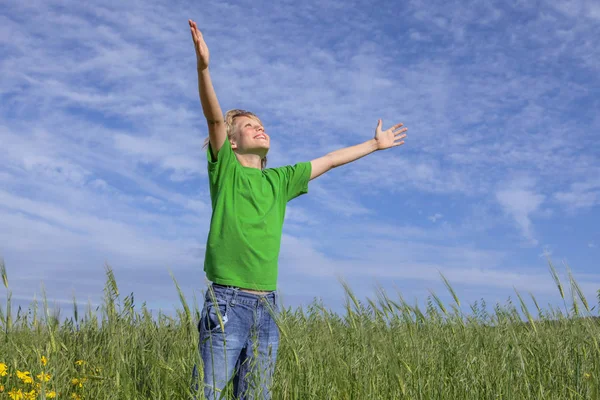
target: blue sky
<point>101,134</point>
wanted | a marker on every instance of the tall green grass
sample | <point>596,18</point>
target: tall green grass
<point>382,348</point>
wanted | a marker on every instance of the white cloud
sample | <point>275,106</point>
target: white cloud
<point>578,8</point>
<point>546,253</point>
<point>153,200</point>
<point>435,217</point>
<point>374,259</point>
<point>54,169</point>
<point>338,201</point>
<point>581,195</point>
<point>45,227</point>
<point>299,215</point>
<point>520,201</point>
<point>99,184</point>
<point>578,199</point>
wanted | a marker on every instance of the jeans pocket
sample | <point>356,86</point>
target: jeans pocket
<point>272,307</point>
<point>215,315</point>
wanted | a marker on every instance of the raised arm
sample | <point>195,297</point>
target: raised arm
<point>383,140</point>
<point>208,98</point>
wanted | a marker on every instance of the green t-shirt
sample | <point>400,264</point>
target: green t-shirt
<point>248,208</point>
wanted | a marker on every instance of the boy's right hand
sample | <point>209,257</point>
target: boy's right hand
<point>201,48</point>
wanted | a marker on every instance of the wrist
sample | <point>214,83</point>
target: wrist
<point>203,74</point>
<point>373,145</point>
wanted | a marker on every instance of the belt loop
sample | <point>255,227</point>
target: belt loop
<point>233,296</point>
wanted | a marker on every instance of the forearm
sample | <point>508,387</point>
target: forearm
<point>391,137</point>
<point>208,97</point>
<point>352,153</point>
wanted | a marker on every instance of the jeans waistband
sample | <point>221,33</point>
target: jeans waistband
<point>241,293</point>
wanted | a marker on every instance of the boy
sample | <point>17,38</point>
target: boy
<point>238,334</point>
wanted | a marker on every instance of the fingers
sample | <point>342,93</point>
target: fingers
<point>192,29</point>
<point>400,132</point>
<point>395,127</point>
<point>196,34</point>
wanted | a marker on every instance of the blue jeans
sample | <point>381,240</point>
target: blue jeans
<point>238,340</point>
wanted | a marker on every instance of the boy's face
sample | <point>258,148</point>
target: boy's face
<point>250,137</point>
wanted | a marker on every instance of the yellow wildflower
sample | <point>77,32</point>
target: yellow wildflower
<point>1,388</point>
<point>78,381</point>
<point>79,362</point>
<point>44,360</point>
<point>25,376</point>
<point>16,394</point>
<point>43,377</point>
<point>51,395</point>
<point>587,375</point>
<point>32,395</point>
<point>3,369</point>
<point>75,396</point>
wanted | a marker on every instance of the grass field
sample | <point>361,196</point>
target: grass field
<point>379,349</point>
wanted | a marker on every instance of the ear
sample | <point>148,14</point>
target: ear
<point>232,140</point>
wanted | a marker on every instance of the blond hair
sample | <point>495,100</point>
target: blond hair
<point>230,117</point>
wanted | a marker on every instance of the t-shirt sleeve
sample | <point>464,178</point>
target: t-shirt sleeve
<point>218,167</point>
<point>296,179</point>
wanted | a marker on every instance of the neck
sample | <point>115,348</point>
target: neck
<point>249,160</point>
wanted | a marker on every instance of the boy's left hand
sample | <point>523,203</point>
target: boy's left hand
<point>389,138</point>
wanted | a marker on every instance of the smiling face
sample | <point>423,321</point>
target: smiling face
<point>249,137</point>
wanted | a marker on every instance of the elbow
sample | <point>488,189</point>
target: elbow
<point>332,161</point>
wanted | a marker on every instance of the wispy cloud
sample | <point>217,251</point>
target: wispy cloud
<point>435,217</point>
<point>546,253</point>
<point>519,200</point>
<point>581,194</point>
